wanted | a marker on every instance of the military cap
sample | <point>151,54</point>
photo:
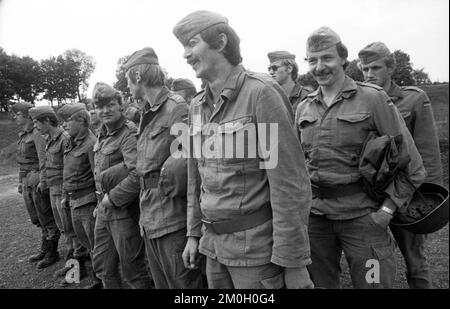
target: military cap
<point>144,56</point>
<point>280,55</point>
<point>196,22</point>
<point>373,52</point>
<point>68,110</point>
<point>321,39</point>
<point>41,111</point>
<point>103,92</point>
<point>22,107</point>
<point>182,83</point>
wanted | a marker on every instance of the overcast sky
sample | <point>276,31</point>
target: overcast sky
<point>110,29</point>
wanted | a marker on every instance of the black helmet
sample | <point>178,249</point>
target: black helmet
<point>427,212</point>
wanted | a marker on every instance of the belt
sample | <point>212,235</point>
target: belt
<point>336,191</point>
<point>76,194</point>
<point>240,223</point>
<point>150,180</point>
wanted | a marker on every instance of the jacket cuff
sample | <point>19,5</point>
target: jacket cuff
<point>291,263</point>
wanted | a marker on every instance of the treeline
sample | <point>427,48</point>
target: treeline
<point>56,79</point>
<point>404,74</point>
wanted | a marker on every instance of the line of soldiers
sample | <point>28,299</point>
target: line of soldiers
<point>123,200</point>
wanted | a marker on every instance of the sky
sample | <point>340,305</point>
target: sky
<point>110,29</point>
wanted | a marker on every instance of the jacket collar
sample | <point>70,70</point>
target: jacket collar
<point>347,91</point>
<point>395,92</point>
<point>296,91</point>
<point>161,98</point>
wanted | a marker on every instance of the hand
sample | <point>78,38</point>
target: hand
<point>19,188</point>
<point>42,186</point>
<point>381,218</point>
<point>297,278</point>
<point>64,203</point>
<point>106,202</point>
<point>94,214</point>
<point>190,253</point>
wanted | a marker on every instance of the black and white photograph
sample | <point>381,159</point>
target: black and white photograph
<point>224,146</point>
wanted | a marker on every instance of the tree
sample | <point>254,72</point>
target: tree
<point>420,77</point>
<point>121,83</point>
<point>78,68</point>
<point>403,72</point>
<point>6,85</point>
<point>354,72</point>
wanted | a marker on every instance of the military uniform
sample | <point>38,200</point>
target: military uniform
<point>332,138</point>
<point>117,235</point>
<point>78,180</point>
<point>54,152</point>
<point>31,160</point>
<point>162,199</point>
<point>416,110</point>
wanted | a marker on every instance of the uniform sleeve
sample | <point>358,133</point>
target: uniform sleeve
<point>290,187</point>
<point>194,216</point>
<point>40,144</point>
<point>388,121</point>
<point>128,189</point>
<point>426,139</point>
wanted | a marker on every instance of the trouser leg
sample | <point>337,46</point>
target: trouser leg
<point>369,250</point>
<point>326,252</point>
<point>131,250</point>
<point>166,263</point>
<point>412,247</point>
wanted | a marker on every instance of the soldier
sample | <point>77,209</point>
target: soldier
<point>78,178</point>
<point>46,122</point>
<point>117,235</point>
<point>254,209</point>
<point>334,122</point>
<point>377,64</point>
<point>185,88</point>
<point>162,177</point>
<point>95,121</point>
<point>33,185</point>
<point>284,70</point>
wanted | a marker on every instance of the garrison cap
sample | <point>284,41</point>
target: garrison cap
<point>68,110</point>
<point>280,55</point>
<point>103,92</point>
<point>146,55</point>
<point>196,22</point>
<point>41,111</point>
<point>22,107</point>
<point>182,83</point>
<point>321,39</point>
<point>373,52</point>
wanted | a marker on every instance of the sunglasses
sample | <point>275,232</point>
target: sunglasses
<point>274,67</point>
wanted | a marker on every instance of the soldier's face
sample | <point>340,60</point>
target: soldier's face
<point>326,66</point>
<point>94,120</point>
<point>135,88</point>
<point>20,118</point>
<point>377,72</point>
<point>202,58</point>
<point>110,112</point>
<point>280,72</point>
<point>73,127</point>
<point>43,127</point>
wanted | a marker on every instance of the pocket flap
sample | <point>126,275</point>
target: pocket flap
<point>275,282</point>
<point>354,117</point>
<point>406,114</point>
<point>307,119</point>
<point>235,125</point>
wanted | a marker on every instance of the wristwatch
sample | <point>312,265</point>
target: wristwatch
<point>388,210</point>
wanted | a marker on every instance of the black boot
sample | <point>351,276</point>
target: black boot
<point>39,256</point>
<point>96,283</point>
<point>52,255</point>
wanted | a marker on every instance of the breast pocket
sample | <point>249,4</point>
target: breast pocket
<point>28,149</point>
<point>111,156</point>
<point>237,140</point>
<point>307,126</point>
<point>352,129</point>
<point>55,157</point>
<point>158,146</point>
